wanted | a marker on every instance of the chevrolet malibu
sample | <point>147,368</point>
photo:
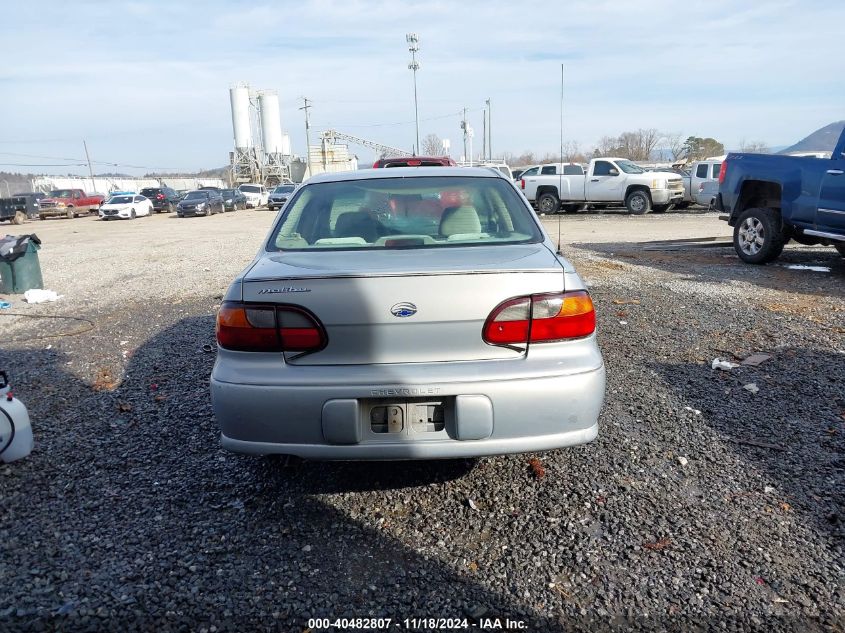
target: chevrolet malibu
<point>407,313</point>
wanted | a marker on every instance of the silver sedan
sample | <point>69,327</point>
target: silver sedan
<point>407,313</point>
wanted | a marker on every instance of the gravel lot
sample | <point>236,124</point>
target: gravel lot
<point>701,506</point>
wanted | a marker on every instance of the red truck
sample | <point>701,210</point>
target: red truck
<point>69,203</point>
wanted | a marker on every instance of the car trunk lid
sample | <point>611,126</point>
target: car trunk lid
<point>391,306</point>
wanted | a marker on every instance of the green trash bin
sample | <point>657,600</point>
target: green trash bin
<point>23,272</point>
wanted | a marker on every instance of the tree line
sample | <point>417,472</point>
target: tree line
<point>639,145</point>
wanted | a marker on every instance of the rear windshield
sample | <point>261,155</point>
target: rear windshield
<point>284,189</point>
<point>120,199</point>
<point>250,188</point>
<point>426,212</point>
<point>62,193</point>
<point>149,192</point>
<point>197,195</point>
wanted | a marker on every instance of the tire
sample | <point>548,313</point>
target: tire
<point>548,203</point>
<point>571,208</point>
<point>132,215</point>
<point>840,246</point>
<point>42,216</point>
<point>681,205</point>
<point>70,214</point>
<point>660,208</point>
<point>759,236</point>
<point>638,202</point>
<point>20,218</point>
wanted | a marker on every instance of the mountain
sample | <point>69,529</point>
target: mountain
<point>822,140</point>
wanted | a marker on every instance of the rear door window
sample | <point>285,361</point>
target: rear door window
<point>573,170</point>
<point>716,168</point>
<point>424,212</point>
<point>548,170</point>
<point>701,170</point>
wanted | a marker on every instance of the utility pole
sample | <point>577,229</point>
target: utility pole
<point>307,137</point>
<point>489,128</point>
<point>484,136</point>
<point>90,170</point>
<point>413,47</point>
<point>464,128</point>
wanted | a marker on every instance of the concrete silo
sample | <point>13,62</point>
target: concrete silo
<point>275,166</point>
<point>246,164</point>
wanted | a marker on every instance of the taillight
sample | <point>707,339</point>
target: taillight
<point>414,163</point>
<point>375,165</point>
<point>541,318</point>
<point>723,171</point>
<point>160,196</point>
<point>522,183</point>
<point>262,328</point>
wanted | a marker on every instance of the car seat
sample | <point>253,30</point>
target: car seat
<point>460,220</point>
<point>357,224</point>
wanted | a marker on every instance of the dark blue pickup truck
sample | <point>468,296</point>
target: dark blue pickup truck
<point>773,199</point>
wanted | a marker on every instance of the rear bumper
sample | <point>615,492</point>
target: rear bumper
<point>519,413</point>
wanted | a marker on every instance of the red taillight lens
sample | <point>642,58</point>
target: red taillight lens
<point>541,318</point>
<point>160,196</point>
<point>723,171</point>
<point>262,328</point>
<point>522,183</point>
<point>375,165</point>
<point>414,163</point>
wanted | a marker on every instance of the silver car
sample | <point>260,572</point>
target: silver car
<point>407,313</point>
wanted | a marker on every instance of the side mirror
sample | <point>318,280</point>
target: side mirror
<point>613,171</point>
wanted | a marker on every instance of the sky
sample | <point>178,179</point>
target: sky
<point>145,83</point>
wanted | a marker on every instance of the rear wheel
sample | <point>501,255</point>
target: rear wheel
<point>571,208</point>
<point>42,216</point>
<point>638,202</point>
<point>20,218</point>
<point>548,203</point>
<point>759,236</point>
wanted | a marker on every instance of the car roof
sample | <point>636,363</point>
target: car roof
<point>406,172</point>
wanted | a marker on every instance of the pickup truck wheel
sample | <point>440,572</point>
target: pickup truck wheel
<point>660,208</point>
<point>759,236</point>
<point>840,247</point>
<point>548,203</point>
<point>20,218</point>
<point>42,216</point>
<point>638,202</point>
<point>571,208</point>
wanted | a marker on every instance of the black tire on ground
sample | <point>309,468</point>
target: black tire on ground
<point>840,246</point>
<point>42,216</point>
<point>660,208</point>
<point>638,202</point>
<point>571,208</point>
<point>548,203</point>
<point>20,218</point>
<point>681,205</point>
<point>759,235</point>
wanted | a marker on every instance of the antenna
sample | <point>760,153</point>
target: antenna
<point>560,167</point>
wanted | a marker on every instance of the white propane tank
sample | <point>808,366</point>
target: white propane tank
<point>16,439</point>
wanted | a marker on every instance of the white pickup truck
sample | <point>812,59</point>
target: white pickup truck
<point>606,181</point>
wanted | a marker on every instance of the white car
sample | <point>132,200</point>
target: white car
<point>256,195</point>
<point>126,207</point>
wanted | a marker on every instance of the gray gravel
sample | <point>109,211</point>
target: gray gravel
<point>701,506</point>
